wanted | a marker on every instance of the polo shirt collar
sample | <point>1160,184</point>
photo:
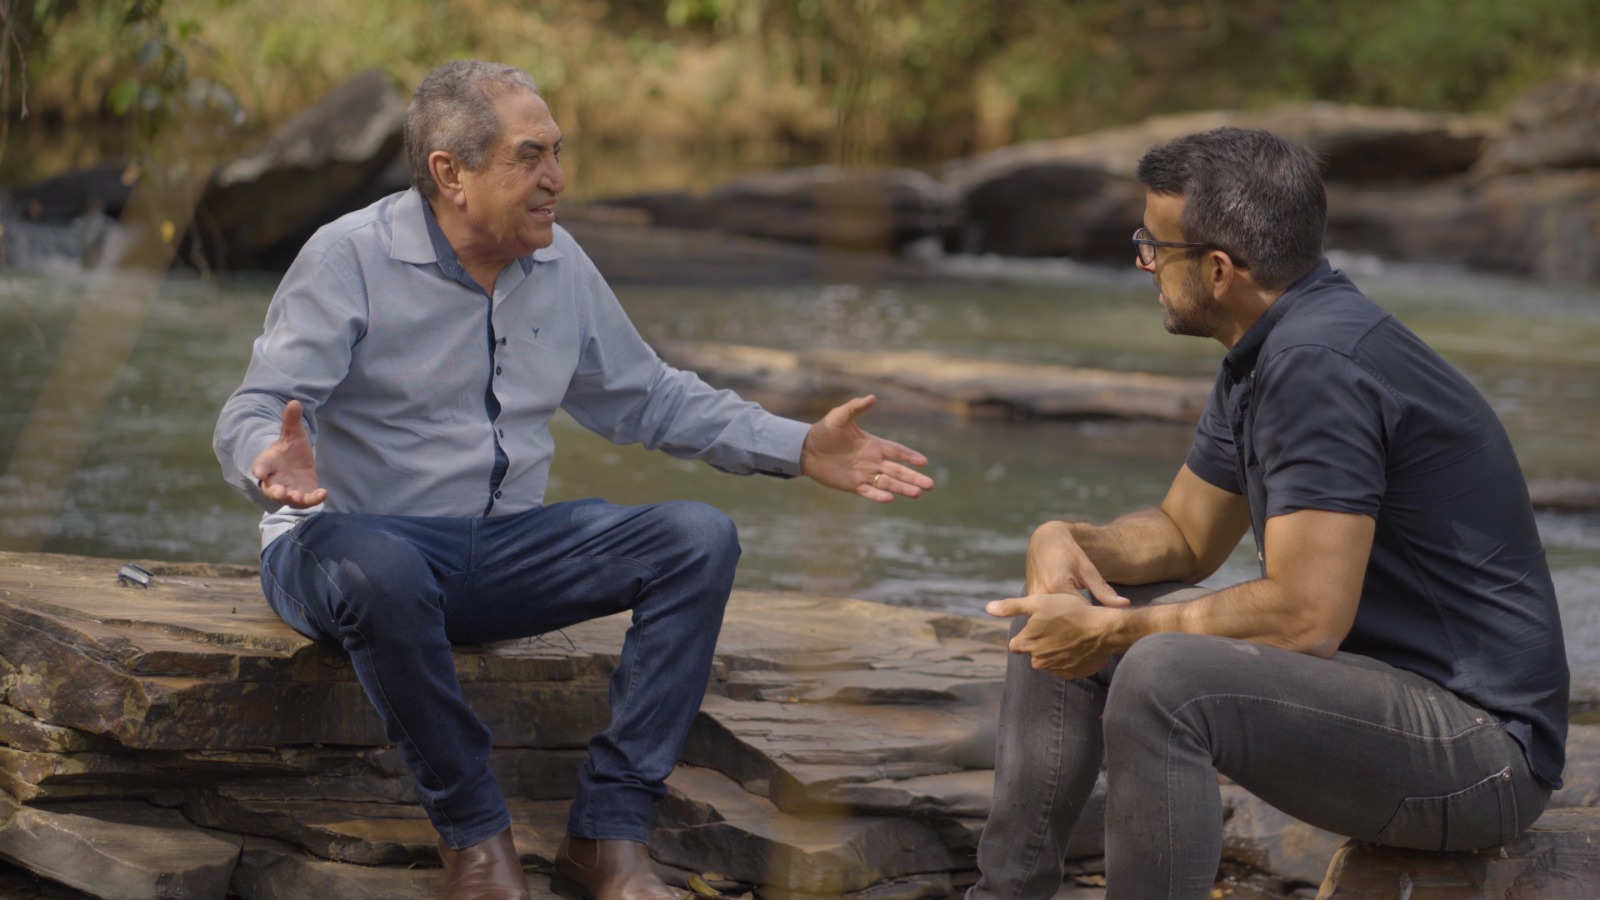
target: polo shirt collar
<point>1242,358</point>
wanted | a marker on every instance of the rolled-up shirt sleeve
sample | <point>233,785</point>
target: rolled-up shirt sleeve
<point>623,391</point>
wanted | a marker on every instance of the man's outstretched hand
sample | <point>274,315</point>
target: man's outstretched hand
<point>838,454</point>
<point>287,470</point>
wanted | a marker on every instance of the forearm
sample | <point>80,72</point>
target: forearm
<point>1142,547</point>
<point>1262,611</point>
<point>249,423</point>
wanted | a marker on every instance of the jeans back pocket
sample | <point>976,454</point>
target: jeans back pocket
<point>1482,815</point>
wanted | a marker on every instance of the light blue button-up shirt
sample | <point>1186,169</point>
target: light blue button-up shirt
<point>399,362</point>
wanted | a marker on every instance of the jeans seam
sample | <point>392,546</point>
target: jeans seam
<point>378,684</point>
<point>1042,823</point>
<point>1251,698</point>
<point>1172,868</point>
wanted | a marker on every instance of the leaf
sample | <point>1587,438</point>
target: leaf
<point>151,51</point>
<point>122,95</point>
<point>701,889</point>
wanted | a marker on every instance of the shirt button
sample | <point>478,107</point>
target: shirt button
<point>502,341</point>
<point>497,370</point>
<point>499,494</point>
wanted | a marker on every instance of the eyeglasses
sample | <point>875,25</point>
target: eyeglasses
<point>1145,246</point>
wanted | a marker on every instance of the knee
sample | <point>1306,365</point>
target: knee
<point>702,529</point>
<point>377,579</point>
<point>1157,678</point>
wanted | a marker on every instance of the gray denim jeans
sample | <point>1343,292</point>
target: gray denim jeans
<point>1348,744</point>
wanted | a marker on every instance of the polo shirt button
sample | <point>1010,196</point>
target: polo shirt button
<point>502,432</point>
<point>497,370</point>
<point>499,494</point>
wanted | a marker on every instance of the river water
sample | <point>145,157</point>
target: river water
<point>147,485</point>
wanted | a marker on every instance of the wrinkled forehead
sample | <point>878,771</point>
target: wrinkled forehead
<point>525,120</point>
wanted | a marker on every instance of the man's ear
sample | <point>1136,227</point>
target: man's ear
<point>1220,272</point>
<point>446,171</point>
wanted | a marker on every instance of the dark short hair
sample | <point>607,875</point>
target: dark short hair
<point>1255,195</point>
<point>453,110</point>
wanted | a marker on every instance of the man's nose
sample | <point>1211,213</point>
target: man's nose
<point>554,180</point>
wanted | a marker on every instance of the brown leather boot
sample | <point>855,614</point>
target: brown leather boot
<point>487,870</point>
<point>607,870</point>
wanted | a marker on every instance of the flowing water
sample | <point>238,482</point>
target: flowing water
<point>147,485</point>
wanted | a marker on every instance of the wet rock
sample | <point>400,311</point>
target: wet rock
<point>939,383</point>
<point>62,198</point>
<point>305,174</point>
<point>1557,859</point>
<point>1444,221</point>
<point>365,833</point>
<point>857,209</point>
<point>1566,496</point>
<point>1272,841</point>
<point>712,821</point>
<point>121,850</point>
<point>666,209</point>
<point>272,870</point>
<point>1024,389</point>
<point>1581,778</point>
<point>1554,126</point>
<point>197,662</point>
<point>1076,196</point>
<point>1546,224</point>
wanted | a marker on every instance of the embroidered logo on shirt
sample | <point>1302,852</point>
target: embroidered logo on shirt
<point>536,334</point>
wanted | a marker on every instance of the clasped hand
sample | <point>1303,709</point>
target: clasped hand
<point>1066,635</point>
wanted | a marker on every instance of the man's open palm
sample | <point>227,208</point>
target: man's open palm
<point>287,470</point>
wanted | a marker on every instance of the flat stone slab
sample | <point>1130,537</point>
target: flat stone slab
<point>843,747</point>
<point>711,821</point>
<point>126,851</point>
<point>372,834</point>
<point>199,661</point>
<point>1565,495</point>
<point>1557,859</point>
<point>272,870</point>
<point>933,382</point>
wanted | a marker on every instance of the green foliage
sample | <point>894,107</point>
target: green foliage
<point>162,88</point>
<point>851,80</point>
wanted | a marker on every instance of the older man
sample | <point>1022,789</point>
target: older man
<point>394,423</point>
<point>1396,674</point>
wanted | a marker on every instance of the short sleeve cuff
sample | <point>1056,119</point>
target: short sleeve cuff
<point>1213,473</point>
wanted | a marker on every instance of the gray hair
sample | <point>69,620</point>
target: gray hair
<point>1255,195</point>
<point>453,110</point>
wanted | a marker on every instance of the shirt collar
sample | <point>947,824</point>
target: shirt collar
<point>419,239</point>
<point>1241,359</point>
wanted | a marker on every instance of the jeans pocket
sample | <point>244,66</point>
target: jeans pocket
<point>1475,817</point>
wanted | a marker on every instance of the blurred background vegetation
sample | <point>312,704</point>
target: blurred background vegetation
<point>845,81</point>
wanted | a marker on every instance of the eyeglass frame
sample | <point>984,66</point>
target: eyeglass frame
<point>1142,242</point>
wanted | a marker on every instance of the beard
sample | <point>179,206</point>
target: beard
<point>1199,314</point>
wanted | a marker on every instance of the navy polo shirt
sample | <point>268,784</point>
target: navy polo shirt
<point>1329,403</point>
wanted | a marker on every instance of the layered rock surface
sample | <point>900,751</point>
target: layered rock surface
<point>179,741</point>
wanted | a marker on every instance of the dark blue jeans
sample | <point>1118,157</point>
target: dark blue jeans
<point>1348,744</point>
<point>396,591</point>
